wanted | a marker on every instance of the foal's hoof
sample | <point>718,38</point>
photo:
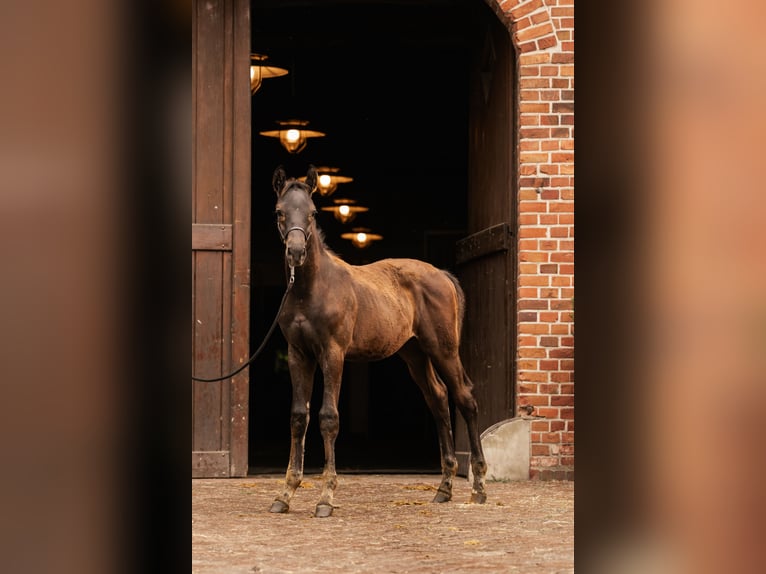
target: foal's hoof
<point>279,507</point>
<point>323,510</point>
<point>442,497</point>
<point>478,498</point>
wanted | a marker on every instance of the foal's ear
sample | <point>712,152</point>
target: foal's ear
<point>278,180</point>
<point>311,179</point>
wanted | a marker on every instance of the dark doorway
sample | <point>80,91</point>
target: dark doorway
<point>389,84</point>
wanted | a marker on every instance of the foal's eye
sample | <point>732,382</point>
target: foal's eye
<point>280,214</point>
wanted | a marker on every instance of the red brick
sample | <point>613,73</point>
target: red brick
<point>562,377</point>
<point>562,107</point>
<point>549,341</point>
<point>562,400</point>
<point>527,388</point>
<point>549,268</point>
<point>559,12</point>
<point>566,269</point>
<point>526,71</point>
<point>564,206</point>
<point>532,206</point>
<point>532,304</point>
<point>560,132</point>
<point>559,231</point>
<point>533,329</point>
<point>528,219</point>
<point>528,341</point>
<point>531,352</point>
<point>562,58</point>
<point>562,353</point>
<point>567,389</point>
<point>526,83</point>
<point>534,376</point>
<point>530,157</point>
<point>534,107</point>
<point>532,32</point>
<point>550,194</point>
<point>549,412</point>
<point>562,257</point>
<point>528,316</point>
<point>528,59</point>
<point>540,426</point>
<point>533,281</point>
<point>567,413</point>
<point>546,42</point>
<point>536,256</point>
<point>533,232</point>
<point>535,133</point>
<point>547,317</point>
<point>534,182</point>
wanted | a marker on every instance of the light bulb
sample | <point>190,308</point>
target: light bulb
<point>361,238</point>
<point>325,180</point>
<point>344,209</point>
<point>293,135</point>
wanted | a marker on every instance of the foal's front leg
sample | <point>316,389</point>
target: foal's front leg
<point>302,369</point>
<point>332,369</point>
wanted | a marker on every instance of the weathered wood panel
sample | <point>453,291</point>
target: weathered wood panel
<point>486,259</point>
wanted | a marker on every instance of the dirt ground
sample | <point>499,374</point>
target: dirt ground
<point>382,523</point>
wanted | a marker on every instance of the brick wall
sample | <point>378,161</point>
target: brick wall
<point>543,34</point>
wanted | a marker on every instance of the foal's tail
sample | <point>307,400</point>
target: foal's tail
<point>460,300</point>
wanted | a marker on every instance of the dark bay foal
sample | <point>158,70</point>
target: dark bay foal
<point>337,311</point>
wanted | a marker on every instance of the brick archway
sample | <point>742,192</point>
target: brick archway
<point>543,34</point>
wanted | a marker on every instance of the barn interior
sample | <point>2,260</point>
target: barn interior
<point>388,83</point>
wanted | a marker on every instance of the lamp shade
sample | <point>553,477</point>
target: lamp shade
<point>260,69</point>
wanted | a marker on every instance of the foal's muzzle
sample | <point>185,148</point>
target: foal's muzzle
<point>295,246</point>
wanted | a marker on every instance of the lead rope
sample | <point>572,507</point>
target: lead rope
<point>266,338</point>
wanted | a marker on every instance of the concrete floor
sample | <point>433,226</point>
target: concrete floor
<point>382,523</point>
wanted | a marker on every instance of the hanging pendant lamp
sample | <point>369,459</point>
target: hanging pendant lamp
<point>293,134</point>
<point>260,70</point>
<point>345,210</point>
<point>361,237</point>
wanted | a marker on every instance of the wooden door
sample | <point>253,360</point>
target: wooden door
<point>220,234</point>
<point>486,261</point>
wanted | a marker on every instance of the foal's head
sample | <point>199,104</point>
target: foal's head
<point>295,213</point>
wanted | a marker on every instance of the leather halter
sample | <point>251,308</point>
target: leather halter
<point>295,228</point>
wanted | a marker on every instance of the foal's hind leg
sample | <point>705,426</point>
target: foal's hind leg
<point>452,372</point>
<point>302,376</point>
<point>435,393</point>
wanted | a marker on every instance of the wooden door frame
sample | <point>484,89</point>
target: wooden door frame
<point>232,234</point>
